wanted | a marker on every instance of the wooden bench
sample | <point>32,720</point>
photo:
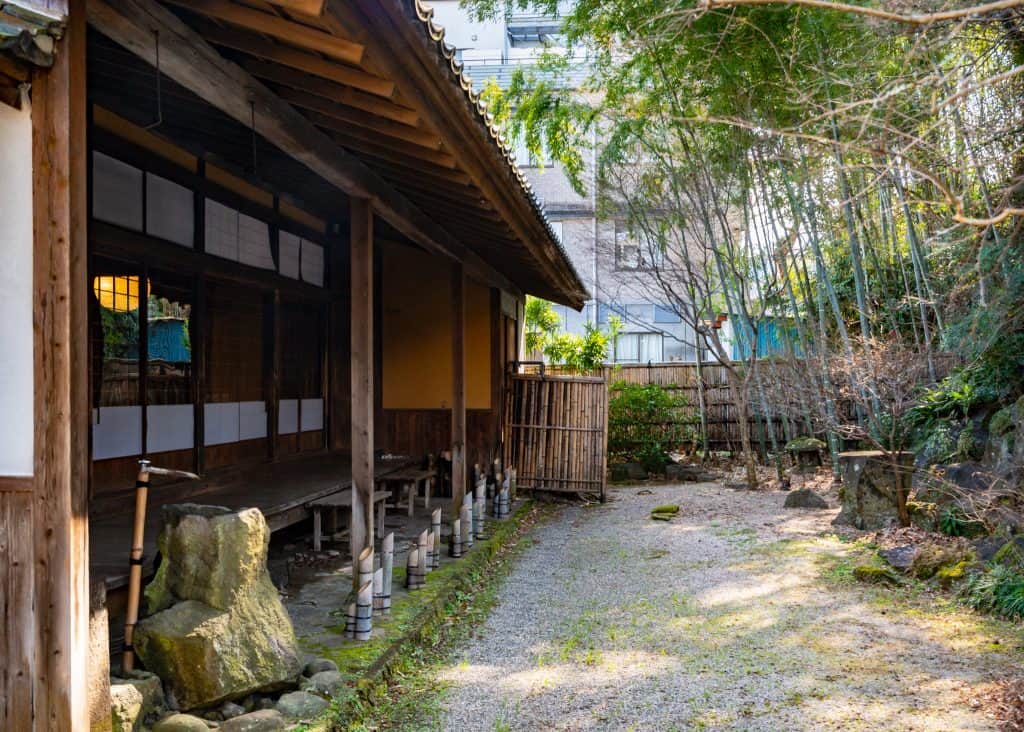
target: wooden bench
<point>343,499</point>
<point>410,478</point>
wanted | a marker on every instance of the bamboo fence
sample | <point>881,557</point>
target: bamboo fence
<point>556,432</point>
<point>681,378</point>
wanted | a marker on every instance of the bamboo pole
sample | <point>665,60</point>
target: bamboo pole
<point>364,612</point>
<point>435,526</point>
<point>455,541</point>
<point>387,558</point>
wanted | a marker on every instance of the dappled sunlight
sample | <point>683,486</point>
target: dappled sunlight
<point>734,616</point>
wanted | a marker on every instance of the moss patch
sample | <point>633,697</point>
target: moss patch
<point>416,623</point>
<point>874,573</point>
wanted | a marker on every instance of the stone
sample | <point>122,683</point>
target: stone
<point>684,473</point>
<point>987,547</point>
<point>301,705</point>
<point>125,708</point>
<point>230,710</point>
<point>805,498</point>
<point>151,688</point>
<point>1011,554</point>
<point>325,683</point>
<point>900,557</point>
<point>871,488</point>
<point>319,664</point>
<point>98,694</point>
<point>628,471</point>
<point>265,720</point>
<point>219,631</point>
<point>180,723</point>
<point>265,702</point>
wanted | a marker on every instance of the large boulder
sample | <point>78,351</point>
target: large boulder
<point>871,488</point>
<point>219,631</point>
<point>805,498</point>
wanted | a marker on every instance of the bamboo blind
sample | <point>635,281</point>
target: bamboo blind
<point>556,432</point>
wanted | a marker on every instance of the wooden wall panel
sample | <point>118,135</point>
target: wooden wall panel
<point>17,634</point>
<point>417,432</point>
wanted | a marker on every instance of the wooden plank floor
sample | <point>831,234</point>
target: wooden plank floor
<point>281,490</point>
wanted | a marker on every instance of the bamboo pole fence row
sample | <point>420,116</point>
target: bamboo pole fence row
<point>681,378</point>
<point>556,432</point>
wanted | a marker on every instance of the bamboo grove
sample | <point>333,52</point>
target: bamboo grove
<point>854,170</point>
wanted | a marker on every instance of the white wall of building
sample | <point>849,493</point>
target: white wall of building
<point>16,446</point>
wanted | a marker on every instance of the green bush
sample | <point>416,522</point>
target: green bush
<point>1000,591</point>
<point>646,422</point>
<point>954,522</point>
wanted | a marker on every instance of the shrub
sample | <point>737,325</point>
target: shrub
<point>954,522</point>
<point>1000,591</point>
<point>645,422</point>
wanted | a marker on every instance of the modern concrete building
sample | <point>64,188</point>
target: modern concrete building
<point>601,250</point>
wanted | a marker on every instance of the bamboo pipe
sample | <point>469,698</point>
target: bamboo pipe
<point>479,509</point>
<point>422,542</point>
<point>350,620</point>
<point>466,525</point>
<point>364,612</point>
<point>435,526</point>
<point>387,560</point>
<point>378,591</point>
<point>455,542</point>
<point>146,469</point>
<point>365,567</point>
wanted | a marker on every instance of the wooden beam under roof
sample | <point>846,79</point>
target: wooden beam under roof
<point>188,59</point>
<point>312,8</point>
<point>278,27</point>
<point>312,84</point>
<point>415,60</point>
<point>256,45</point>
<point>358,118</point>
<point>360,138</point>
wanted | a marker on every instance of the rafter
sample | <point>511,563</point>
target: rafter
<point>274,25</point>
<point>260,47</point>
<point>330,90</point>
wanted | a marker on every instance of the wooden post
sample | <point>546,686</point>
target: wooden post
<point>61,401</point>
<point>458,387</point>
<point>337,346</point>
<point>361,535</point>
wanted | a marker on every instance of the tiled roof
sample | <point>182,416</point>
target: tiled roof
<point>436,33</point>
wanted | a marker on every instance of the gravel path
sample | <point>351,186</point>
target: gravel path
<point>732,616</point>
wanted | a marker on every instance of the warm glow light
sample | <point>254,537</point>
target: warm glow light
<point>119,293</point>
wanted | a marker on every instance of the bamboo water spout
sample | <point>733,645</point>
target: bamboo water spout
<point>378,591</point>
<point>364,567</point>
<point>146,469</point>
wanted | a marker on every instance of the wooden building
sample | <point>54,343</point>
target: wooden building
<point>264,240</point>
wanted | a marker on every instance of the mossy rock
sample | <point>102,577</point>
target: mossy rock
<point>1011,555</point>
<point>666,508</point>
<point>875,574</point>
<point>802,444</point>
<point>932,558</point>
<point>1002,421</point>
<point>951,574</point>
<point>923,514</point>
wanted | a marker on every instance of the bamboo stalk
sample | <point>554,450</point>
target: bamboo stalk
<point>387,558</point>
<point>364,612</point>
<point>455,541</point>
<point>435,527</point>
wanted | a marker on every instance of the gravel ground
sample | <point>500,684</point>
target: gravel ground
<point>736,615</point>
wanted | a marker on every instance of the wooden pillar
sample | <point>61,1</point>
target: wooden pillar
<point>61,404</point>
<point>338,341</point>
<point>362,376</point>
<point>458,386</point>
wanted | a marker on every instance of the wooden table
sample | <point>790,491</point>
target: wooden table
<point>410,478</point>
<point>343,499</point>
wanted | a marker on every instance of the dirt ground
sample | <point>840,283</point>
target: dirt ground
<point>738,614</point>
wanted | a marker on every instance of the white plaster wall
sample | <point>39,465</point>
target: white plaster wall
<point>16,444</point>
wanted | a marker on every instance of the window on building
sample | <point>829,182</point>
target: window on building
<point>630,253</point>
<point>607,309</point>
<point>665,314</point>
<point>638,348</point>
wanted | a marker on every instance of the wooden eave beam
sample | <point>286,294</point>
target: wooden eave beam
<point>259,47</point>
<point>312,84</point>
<point>415,59</point>
<point>360,138</point>
<point>192,62</point>
<point>278,27</point>
<point>312,8</point>
<point>357,118</point>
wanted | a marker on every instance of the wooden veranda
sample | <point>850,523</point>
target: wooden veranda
<point>266,241</point>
